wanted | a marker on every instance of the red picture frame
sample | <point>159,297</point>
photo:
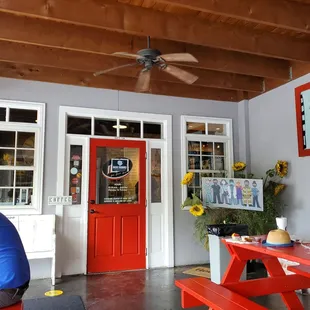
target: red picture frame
<point>302,151</point>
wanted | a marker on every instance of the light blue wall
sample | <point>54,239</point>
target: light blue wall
<point>187,250</point>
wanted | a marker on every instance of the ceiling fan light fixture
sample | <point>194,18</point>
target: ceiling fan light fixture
<point>120,126</point>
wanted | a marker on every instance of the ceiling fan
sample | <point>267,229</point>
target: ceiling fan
<point>149,58</point>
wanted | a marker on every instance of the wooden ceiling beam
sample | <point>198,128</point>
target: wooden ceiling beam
<point>79,78</point>
<point>74,37</point>
<point>141,21</point>
<point>80,61</point>
<point>277,13</point>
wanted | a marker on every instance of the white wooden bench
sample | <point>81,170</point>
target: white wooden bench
<point>38,236</point>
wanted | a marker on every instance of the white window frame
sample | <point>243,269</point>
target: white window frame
<point>227,138</point>
<point>38,128</point>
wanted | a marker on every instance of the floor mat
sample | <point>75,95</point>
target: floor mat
<point>54,303</point>
<point>199,271</point>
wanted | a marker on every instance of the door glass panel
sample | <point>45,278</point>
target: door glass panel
<point>117,175</point>
<point>75,173</point>
<point>155,175</point>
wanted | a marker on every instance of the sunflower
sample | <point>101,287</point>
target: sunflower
<point>197,210</point>
<point>187,178</point>
<point>7,157</point>
<point>239,166</point>
<point>278,189</point>
<point>281,168</point>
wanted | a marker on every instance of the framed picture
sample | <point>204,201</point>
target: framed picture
<point>302,103</point>
<point>245,194</point>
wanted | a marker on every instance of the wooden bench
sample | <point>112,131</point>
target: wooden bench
<point>201,291</point>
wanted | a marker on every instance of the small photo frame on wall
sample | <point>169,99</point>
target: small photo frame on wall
<point>302,103</point>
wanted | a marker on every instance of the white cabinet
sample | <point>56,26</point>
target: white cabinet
<point>38,236</point>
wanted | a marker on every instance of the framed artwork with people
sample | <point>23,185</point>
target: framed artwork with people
<point>245,194</point>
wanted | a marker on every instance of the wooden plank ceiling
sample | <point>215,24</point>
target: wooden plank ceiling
<point>243,47</point>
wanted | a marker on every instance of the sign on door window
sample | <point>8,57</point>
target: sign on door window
<point>117,175</point>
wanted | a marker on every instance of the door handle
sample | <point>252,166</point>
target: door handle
<point>92,211</point>
<point>92,202</point>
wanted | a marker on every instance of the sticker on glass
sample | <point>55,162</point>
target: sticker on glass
<point>75,181</point>
<point>74,171</point>
<point>116,168</point>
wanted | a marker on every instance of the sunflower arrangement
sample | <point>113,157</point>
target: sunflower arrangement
<point>239,166</point>
<point>188,178</point>
<point>278,189</point>
<point>197,210</point>
<point>281,168</point>
<point>259,223</point>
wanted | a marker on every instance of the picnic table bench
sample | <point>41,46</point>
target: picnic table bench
<point>201,291</point>
<point>233,293</point>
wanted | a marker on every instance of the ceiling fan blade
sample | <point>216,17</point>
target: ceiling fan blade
<point>127,55</point>
<point>112,69</point>
<point>186,57</point>
<point>143,84</point>
<point>182,75</point>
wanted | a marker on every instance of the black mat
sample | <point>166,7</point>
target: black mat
<point>54,303</point>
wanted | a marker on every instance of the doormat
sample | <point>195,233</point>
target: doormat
<point>199,271</point>
<point>54,303</point>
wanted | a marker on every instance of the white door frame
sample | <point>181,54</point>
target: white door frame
<point>64,111</point>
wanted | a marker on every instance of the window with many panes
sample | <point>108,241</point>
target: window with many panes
<point>21,157</point>
<point>206,150</point>
<point>114,127</point>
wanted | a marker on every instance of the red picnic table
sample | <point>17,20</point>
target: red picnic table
<point>234,293</point>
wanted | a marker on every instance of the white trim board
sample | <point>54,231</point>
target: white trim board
<point>63,139</point>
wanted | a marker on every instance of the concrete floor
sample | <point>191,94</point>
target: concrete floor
<point>138,290</point>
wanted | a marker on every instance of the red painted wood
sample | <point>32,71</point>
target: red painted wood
<point>214,295</point>
<point>234,270</point>
<point>301,270</point>
<point>297,253</point>
<point>302,152</point>
<point>18,306</point>
<point>188,301</point>
<point>275,269</point>
<point>117,233</point>
<point>270,285</point>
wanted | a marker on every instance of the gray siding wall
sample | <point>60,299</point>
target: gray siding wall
<point>187,250</point>
<point>273,136</point>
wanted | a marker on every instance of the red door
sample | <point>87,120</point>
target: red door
<point>117,205</point>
